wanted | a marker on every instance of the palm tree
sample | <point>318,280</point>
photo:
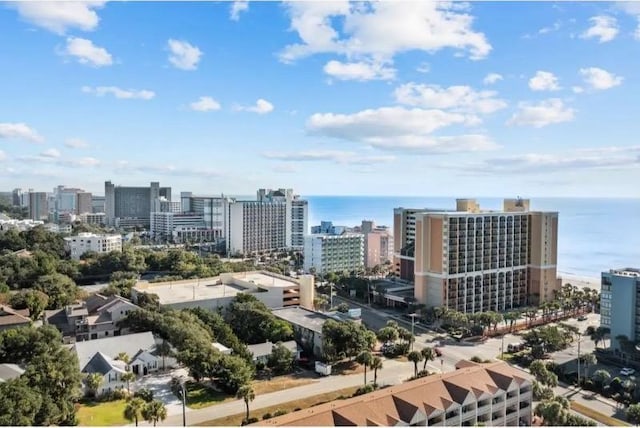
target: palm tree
<point>589,359</point>
<point>247,394</point>
<point>164,350</point>
<point>429,355</point>
<point>415,357</point>
<point>94,380</point>
<point>512,317</point>
<point>364,358</point>
<point>125,358</point>
<point>128,377</point>
<point>154,411</point>
<point>133,409</point>
<point>375,365</point>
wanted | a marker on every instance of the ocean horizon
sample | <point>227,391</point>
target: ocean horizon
<point>594,234</point>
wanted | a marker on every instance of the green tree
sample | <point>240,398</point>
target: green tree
<point>552,412</point>
<point>93,381</point>
<point>233,372</point>
<point>19,404</point>
<point>281,359</point>
<point>633,414</point>
<point>415,357</point>
<point>600,378</point>
<point>128,377</point>
<point>246,393</point>
<point>388,334</point>
<point>61,289</point>
<point>133,409</point>
<point>364,359</point>
<point>376,364</point>
<point>154,412</point>
<point>164,350</point>
<point>428,354</point>
<point>34,300</point>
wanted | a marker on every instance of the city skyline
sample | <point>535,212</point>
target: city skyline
<point>460,99</point>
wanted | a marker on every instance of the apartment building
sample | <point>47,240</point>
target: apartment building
<point>179,228</point>
<point>493,394</point>
<point>214,211</point>
<point>83,242</point>
<point>475,260</point>
<point>38,206</point>
<point>332,251</point>
<point>93,218</point>
<point>71,200</point>
<point>620,303</point>
<point>132,206</point>
<point>378,244</point>
<point>277,220</point>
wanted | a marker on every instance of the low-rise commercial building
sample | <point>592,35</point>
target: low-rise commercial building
<point>83,242</point>
<point>493,394</point>
<point>274,290</point>
<point>620,303</point>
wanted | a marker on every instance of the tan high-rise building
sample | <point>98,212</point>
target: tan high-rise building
<point>472,260</point>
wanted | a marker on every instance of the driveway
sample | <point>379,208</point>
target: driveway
<point>159,384</point>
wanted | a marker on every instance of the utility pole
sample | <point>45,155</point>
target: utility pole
<point>502,349</point>
<point>579,341</point>
<point>413,319</point>
<point>184,402</point>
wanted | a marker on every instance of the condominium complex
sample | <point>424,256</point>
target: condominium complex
<point>378,244</point>
<point>71,200</point>
<point>84,242</point>
<point>620,303</point>
<point>474,260</point>
<point>180,228</point>
<point>38,206</point>
<point>493,394</point>
<point>333,252</point>
<point>214,211</point>
<point>132,206</point>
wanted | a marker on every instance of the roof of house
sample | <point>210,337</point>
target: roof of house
<point>264,349</point>
<point>302,317</point>
<point>220,347</point>
<point>399,404</point>
<point>12,317</point>
<point>10,371</point>
<point>101,363</point>
<point>112,346</point>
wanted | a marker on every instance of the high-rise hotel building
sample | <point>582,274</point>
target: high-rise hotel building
<point>474,260</point>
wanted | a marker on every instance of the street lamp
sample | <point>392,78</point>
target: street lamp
<point>579,341</point>
<point>183,381</point>
<point>413,319</point>
<point>502,349</point>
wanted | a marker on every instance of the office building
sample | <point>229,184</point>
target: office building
<point>333,252</point>
<point>277,220</point>
<point>378,244</point>
<point>180,228</point>
<point>474,260</point>
<point>18,198</point>
<point>214,211</point>
<point>492,394</point>
<point>84,203</point>
<point>71,200</point>
<point>38,206</point>
<point>83,242</point>
<point>132,206</point>
<point>620,304</point>
<point>97,204</point>
<point>92,218</point>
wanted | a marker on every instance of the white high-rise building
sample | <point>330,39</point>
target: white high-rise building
<point>325,252</point>
<point>83,242</point>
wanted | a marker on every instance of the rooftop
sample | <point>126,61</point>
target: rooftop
<point>303,317</point>
<point>262,349</point>
<point>112,346</point>
<point>10,371</point>
<point>401,404</point>
<point>626,272</point>
<point>9,317</point>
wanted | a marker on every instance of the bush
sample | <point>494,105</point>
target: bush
<point>259,366</point>
<point>251,420</point>
<point>297,409</point>
<point>475,359</point>
<point>279,412</point>
<point>267,416</point>
<point>145,393</point>
<point>363,390</point>
<point>119,394</point>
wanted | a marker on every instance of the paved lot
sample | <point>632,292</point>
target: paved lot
<point>159,384</point>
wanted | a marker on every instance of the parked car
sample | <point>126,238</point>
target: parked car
<point>515,347</point>
<point>582,318</point>
<point>627,371</point>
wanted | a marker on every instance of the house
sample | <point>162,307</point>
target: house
<point>12,318</point>
<point>493,394</point>
<point>10,371</point>
<point>262,351</point>
<point>95,318</point>
<point>99,356</point>
<point>220,347</point>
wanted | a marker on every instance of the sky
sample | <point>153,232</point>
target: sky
<point>329,98</point>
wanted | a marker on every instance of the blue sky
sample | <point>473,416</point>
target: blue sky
<point>384,98</point>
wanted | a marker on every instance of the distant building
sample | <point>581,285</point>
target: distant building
<point>71,200</point>
<point>620,303</point>
<point>20,225</point>
<point>493,394</point>
<point>97,204</point>
<point>38,206</point>
<point>326,253</point>
<point>129,207</point>
<point>84,203</point>
<point>274,290</point>
<point>378,244</point>
<point>474,260</point>
<point>83,242</point>
<point>6,197</point>
<point>93,218</point>
<point>180,228</point>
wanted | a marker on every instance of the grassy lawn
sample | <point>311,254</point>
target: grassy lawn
<point>597,416</point>
<point>344,368</point>
<point>102,414</point>
<point>279,383</point>
<point>304,403</point>
<point>199,396</point>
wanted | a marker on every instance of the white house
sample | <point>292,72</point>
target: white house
<point>262,351</point>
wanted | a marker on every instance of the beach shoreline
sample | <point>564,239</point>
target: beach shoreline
<point>580,281</point>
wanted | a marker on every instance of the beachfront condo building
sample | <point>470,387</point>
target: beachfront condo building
<point>128,207</point>
<point>475,260</point>
<point>378,244</point>
<point>333,252</point>
<point>620,304</point>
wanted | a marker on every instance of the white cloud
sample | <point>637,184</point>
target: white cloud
<point>461,98</point>
<point>120,93</point>
<point>58,16</point>
<point>82,162</point>
<point>600,79</point>
<point>338,156</point>
<point>183,55</point>
<point>632,8</point>
<point>205,104</point>
<point>603,27</point>
<point>76,143</point>
<point>237,7</point>
<point>544,113</point>
<point>51,153</point>
<point>261,107</point>
<point>19,131</point>
<point>544,81</point>
<point>87,53</point>
<point>380,30</point>
<point>361,70</point>
<point>555,27</point>
<point>398,128</point>
<point>492,78</point>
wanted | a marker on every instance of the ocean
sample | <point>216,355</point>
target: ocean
<point>594,234</point>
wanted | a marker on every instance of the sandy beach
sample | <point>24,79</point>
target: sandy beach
<point>580,281</point>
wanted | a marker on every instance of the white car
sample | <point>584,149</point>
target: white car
<point>627,371</point>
